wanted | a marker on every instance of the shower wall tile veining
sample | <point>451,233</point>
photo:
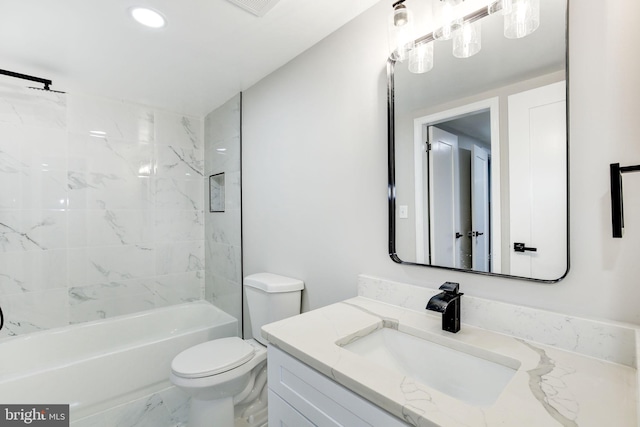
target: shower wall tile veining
<point>101,208</point>
<point>223,236</point>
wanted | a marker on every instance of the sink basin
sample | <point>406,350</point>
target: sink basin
<point>472,375</point>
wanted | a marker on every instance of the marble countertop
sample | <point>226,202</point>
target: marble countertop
<point>552,387</point>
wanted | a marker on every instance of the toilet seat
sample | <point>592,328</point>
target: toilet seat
<point>212,358</point>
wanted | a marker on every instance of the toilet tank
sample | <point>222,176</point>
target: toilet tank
<point>271,297</point>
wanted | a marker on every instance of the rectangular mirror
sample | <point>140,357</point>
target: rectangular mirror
<point>478,154</point>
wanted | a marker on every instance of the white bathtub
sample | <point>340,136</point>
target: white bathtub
<point>97,365</point>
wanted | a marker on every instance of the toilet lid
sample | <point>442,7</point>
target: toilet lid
<point>212,357</point>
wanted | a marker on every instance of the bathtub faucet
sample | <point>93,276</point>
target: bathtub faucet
<point>447,303</point>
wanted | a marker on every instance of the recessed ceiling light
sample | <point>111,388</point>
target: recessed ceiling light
<point>148,17</point>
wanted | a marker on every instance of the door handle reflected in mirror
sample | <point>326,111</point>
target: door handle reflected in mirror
<point>459,235</point>
<point>474,233</point>
<point>520,247</point>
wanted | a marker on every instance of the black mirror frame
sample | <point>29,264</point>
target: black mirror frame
<point>392,172</point>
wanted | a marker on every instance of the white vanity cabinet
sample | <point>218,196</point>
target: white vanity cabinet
<point>301,396</point>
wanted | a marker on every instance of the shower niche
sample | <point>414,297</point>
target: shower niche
<point>216,192</point>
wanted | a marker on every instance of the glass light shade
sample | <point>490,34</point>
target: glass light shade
<point>421,58</point>
<point>507,6</point>
<point>523,19</point>
<point>446,15</point>
<point>467,40</point>
<point>401,35</point>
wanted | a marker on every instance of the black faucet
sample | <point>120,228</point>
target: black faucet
<point>447,303</point>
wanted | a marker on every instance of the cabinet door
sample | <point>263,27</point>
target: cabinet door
<point>320,400</point>
<point>281,414</point>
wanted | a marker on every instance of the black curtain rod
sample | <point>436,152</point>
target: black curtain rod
<point>45,82</point>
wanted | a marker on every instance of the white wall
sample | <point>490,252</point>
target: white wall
<point>315,171</point>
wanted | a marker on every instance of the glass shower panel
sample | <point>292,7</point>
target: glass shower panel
<point>223,242</point>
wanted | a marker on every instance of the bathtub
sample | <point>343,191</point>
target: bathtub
<point>98,365</point>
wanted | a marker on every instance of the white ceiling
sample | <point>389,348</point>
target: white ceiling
<point>209,51</point>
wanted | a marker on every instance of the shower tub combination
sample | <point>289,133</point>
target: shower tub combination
<point>100,365</point>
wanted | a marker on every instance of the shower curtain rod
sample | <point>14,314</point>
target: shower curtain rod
<point>45,82</point>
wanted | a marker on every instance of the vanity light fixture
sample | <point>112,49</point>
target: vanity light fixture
<point>521,18</point>
<point>148,17</point>
<point>467,40</point>
<point>445,12</point>
<point>421,58</point>
<point>401,34</point>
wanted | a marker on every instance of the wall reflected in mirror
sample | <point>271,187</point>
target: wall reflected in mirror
<point>478,155</point>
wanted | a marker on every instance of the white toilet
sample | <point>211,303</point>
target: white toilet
<point>228,372</point>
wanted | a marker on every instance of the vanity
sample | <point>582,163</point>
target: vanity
<point>380,359</point>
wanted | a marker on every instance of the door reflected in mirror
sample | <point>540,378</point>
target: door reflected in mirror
<point>478,155</point>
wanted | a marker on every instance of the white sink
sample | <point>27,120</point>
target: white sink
<point>467,373</point>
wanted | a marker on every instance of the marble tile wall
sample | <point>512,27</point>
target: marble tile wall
<point>101,209</point>
<point>223,238</point>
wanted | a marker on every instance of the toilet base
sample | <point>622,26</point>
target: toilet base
<point>210,413</point>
